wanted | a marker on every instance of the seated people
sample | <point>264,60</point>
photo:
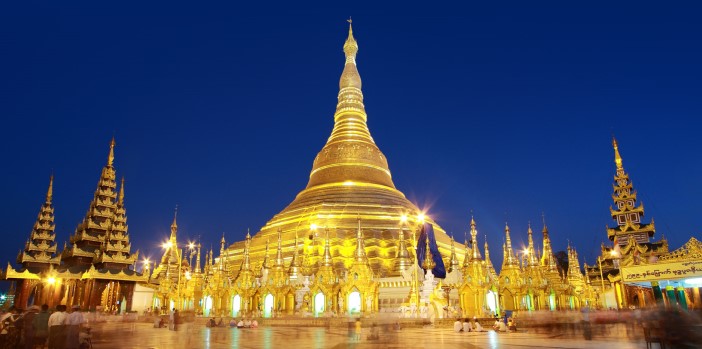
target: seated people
<point>220,323</point>
<point>499,326</point>
<point>232,323</point>
<point>240,324</point>
<point>457,326</point>
<point>247,323</point>
<point>466,326</point>
<point>511,325</point>
<point>254,324</point>
<point>212,323</point>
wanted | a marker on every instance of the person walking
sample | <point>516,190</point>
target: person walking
<point>41,327</point>
<point>28,326</point>
<point>74,321</point>
<point>57,328</point>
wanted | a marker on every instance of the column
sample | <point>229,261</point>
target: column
<point>682,297</point>
<point>657,293</point>
<point>670,292</point>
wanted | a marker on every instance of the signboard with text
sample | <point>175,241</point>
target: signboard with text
<point>662,271</point>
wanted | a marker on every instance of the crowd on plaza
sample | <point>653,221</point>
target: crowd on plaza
<point>37,327</point>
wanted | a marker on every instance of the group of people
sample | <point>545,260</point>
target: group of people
<point>243,323</point>
<point>501,326</point>
<point>37,327</point>
<point>466,326</point>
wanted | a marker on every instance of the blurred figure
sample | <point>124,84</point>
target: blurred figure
<point>457,326</point>
<point>467,326</point>
<point>74,321</point>
<point>28,326</point>
<point>57,328</point>
<point>41,326</point>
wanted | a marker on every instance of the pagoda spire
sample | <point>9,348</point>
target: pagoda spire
<point>221,253</point>
<point>117,247</point>
<point>246,264</point>
<point>531,251</point>
<point>617,156</point>
<point>279,253</point>
<point>360,253</point>
<point>197,259</point>
<point>509,258</point>
<point>402,259</point>
<point>327,258</point>
<point>474,239</point>
<point>265,263</point>
<point>40,248</point>
<point>174,226</point>
<point>111,155</point>
<point>627,213</point>
<point>548,260</point>
<point>468,253</point>
<point>350,155</point>
<point>488,263</point>
<point>295,264</point>
<point>428,264</point>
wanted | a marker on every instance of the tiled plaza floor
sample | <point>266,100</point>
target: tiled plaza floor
<point>138,335</point>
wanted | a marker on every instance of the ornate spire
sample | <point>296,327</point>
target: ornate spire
<point>246,264</point>
<point>468,256</point>
<point>111,155</point>
<point>295,264</point>
<point>531,252</point>
<point>617,157</point>
<point>265,263</point>
<point>474,239</point>
<point>279,253</point>
<point>120,200</point>
<point>509,258</point>
<point>197,260</point>
<point>402,259</point>
<point>488,263</point>
<point>626,212</point>
<point>360,253</point>
<point>350,155</point>
<point>428,262</point>
<point>50,191</point>
<point>174,225</point>
<point>223,242</point>
<point>327,258</point>
<point>40,248</point>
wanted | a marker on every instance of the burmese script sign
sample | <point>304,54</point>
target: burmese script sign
<point>662,271</point>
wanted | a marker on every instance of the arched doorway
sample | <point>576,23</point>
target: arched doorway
<point>319,303</point>
<point>492,303</point>
<point>208,306</point>
<point>354,302</point>
<point>236,305</point>
<point>268,305</point>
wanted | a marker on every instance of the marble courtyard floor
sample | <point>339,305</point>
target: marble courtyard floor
<point>140,335</point>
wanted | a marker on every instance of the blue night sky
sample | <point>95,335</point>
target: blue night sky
<point>507,111</point>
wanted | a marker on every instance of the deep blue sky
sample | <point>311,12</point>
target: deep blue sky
<point>506,111</point>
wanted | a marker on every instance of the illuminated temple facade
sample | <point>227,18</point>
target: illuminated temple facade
<point>346,245</point>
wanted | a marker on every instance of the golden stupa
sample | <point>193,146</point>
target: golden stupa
<point>350,180</point>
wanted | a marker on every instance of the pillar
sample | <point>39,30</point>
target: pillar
<point>682,297</point>
<point>670,292</point>
<point>657,293</point>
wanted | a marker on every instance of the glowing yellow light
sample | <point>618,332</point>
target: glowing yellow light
<point>613,253</point>
<point>51,280</point>
<point>191,246</point>
<point>313,226</point>
<point>526,251</point>
<point>347,184</point>
<point>403,218</point>
<point>421,217</point>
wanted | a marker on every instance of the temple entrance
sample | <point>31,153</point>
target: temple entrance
<point>236,305</point>
<point>552,301</point>
<point>354,302</point>
<point>208,306</point>
<point>319,303</point>
<point>268,305</point>
<point>491,301</point>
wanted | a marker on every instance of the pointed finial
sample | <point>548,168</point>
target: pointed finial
<point>175,216</point>
<point>248,233</point>
<point>50,191</point>
<point>111,156</point>
<point>617,157</point>
<point>121,193</point>
<point>350,46</point>
<point>543,218</point>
